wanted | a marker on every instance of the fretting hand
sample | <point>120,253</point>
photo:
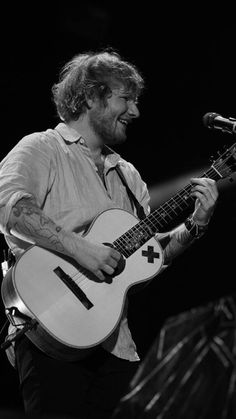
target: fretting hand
<point>206,193</point>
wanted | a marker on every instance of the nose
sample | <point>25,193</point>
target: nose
<point>133,109</point>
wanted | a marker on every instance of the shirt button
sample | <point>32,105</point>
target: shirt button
<point>81,141</point>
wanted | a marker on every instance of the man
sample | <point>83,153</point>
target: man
<point>52,186</point>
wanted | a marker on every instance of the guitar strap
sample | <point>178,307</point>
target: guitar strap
<point>140,211</point>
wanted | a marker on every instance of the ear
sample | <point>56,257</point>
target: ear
<point>90,101</point>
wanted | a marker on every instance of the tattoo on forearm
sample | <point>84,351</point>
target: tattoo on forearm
<point>29,220</point>
<point>184,238</point>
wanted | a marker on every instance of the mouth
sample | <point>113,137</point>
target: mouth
<point>123,121</point>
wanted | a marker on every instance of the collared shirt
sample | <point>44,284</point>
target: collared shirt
<point>57,169</point>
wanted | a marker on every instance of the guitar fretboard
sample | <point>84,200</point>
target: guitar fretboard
<point>162,218</point>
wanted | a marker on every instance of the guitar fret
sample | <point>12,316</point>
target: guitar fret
<point>134,238</point>
<point>172,206</point>
<point>218,173</point>
<point>120,246</point>
<point>150,224</point>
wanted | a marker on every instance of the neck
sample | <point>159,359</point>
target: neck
<point>92,140</point>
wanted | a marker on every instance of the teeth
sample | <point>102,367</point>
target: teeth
<point>123,121</point>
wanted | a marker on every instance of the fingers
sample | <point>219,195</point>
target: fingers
<point>204,196</point>
<point>205,190</point>
<point>115,254</point>
<point>108,262</point>
<point>206,193</point>
<point>102,273</point>
<point>113,263</point>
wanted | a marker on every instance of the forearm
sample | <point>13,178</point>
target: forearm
<point>28,222</point>
<point>180,239</point>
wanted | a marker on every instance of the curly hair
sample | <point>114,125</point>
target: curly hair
<point>91,75</point>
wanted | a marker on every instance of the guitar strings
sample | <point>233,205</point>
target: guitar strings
<point>141,232</point>
<point>156,219</point>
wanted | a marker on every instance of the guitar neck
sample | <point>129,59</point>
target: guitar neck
<point>163,217</point>
<point>160,219</point>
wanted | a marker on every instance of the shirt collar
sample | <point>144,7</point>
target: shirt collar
<point>72,136</point>
<point>69,134</point>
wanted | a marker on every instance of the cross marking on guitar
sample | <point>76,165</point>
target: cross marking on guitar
<point>150,254</point>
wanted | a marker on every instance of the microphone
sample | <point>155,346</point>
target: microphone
<point>213,120</point>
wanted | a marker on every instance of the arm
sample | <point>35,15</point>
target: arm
<point>28,222</point>
<point>206,193</point>
<point>176,241</point>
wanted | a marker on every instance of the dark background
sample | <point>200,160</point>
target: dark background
<point>187,58</point>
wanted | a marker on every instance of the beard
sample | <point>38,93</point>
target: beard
<point>105,127</point>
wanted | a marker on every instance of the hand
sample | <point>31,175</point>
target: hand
<point>97,258</point>
<point>206,193</point>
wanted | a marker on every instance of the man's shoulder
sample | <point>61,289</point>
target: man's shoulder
<point>39,139</point>
<point>40,136</point>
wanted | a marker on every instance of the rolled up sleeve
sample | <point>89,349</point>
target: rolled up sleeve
<point>24,173</point>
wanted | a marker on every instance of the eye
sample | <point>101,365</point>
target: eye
<point>129,98</point>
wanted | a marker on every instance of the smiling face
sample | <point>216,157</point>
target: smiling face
<point>109,121</point>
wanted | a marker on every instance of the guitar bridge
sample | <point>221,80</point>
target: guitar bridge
<point>77,291</point>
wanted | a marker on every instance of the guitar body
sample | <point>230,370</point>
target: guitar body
<point>68,327</point>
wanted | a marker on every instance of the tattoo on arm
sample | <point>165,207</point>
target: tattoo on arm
<point>180,240</point>
<point>28,221</point>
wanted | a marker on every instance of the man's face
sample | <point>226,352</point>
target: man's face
<point>109,121</point>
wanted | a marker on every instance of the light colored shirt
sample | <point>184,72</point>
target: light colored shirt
<point>56,168</point>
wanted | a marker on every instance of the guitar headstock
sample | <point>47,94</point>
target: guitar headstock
<point>225,164</point>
